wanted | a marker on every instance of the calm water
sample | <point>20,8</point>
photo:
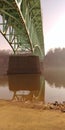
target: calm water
<point>47,88</point>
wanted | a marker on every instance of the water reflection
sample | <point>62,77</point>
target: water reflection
<point>22,87</point>
<point>3,80</point>
<point>54,86</point>
<point>55,77</point>
<point>4,88</point>
<point>33,87</point>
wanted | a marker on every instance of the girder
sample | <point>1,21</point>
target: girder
<point>21,24</point>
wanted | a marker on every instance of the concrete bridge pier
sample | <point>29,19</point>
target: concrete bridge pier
<point>24,64</point>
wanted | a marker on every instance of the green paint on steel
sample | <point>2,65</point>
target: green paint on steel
<point>21,24</point>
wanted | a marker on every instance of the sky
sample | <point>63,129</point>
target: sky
<point>53,16</point>
<point>3,44</point>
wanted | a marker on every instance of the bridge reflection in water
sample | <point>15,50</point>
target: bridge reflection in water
<point>22,88</point>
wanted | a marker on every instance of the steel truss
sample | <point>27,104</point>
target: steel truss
<point>21,25</point>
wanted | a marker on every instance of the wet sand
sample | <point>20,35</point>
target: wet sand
<point>17,116</point>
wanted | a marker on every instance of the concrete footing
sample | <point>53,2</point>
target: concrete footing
<point>19,64</point>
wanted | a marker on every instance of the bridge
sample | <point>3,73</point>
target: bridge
<point>21,25</point>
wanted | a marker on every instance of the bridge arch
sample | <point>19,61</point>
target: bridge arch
<point>37,50</point>
<point>21,24</point>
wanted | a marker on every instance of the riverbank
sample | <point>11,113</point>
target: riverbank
<point>28,116</point>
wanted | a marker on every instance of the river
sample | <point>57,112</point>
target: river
<point>33,87</point>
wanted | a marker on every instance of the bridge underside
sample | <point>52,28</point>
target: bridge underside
<point>21,25</point>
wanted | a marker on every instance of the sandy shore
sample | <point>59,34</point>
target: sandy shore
<point>18,116</point>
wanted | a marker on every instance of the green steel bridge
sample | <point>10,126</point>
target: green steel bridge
<point>21,25</point>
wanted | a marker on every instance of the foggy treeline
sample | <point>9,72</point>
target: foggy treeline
<point>54,67</point>
<point>4,54</point>
<point>55,58</point>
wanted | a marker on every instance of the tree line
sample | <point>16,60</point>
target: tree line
<point>55,58</point>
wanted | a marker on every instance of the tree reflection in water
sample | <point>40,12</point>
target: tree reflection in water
<point>55,77</point>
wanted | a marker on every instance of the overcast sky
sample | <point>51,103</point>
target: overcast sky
<point>53,23</point>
